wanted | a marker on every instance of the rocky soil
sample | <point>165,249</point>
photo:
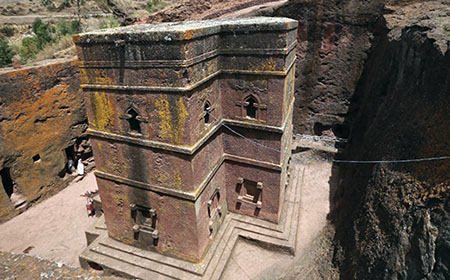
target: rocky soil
<point>14,267</point>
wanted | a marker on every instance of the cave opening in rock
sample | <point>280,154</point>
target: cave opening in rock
<point>71,163</point>
<point>8,183</point>
<point>36,158</point>
<point>319,128</point>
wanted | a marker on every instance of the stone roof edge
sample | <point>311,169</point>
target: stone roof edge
<point>182,31</point>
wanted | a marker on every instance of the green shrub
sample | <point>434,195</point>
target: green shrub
<point>42,31</point>
<point>109,22</point>
<point>29,49</point>
<point>6,53</point>
<point>64,4</point>
<point>153,5</point>
<point>75,27</point>
<point>7,30</point>
<point>68,27</point>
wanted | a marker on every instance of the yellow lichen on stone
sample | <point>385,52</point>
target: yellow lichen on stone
<point>267,65</point>
<point>177,178</point>
<point>84,78</point>
<point>102,78</point>
<point>99,146</point>
<point>102,109</point>
<point>182,115</point>
<point>165,131</point>
<point>163,178</point>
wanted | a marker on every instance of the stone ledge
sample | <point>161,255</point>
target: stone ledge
<point>188,62</point>
<point>130,261</point>
<point>189,150</point>
<point>189,88</point>
<point>187,195</point>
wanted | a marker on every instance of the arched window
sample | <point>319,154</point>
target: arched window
<point>133,121</point>
<point>207,111</point>
<point>250,107</point>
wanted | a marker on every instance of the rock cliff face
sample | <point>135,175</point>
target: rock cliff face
<point>333,40</point>
<point>41,117</point>
<point>393,219</point>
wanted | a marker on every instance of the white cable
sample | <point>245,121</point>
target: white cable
<point>392,161</point>
<point>323,138</point>
<point>340,160</point>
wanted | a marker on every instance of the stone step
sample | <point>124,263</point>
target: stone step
<point>139,267</point>
<point>143,264</point>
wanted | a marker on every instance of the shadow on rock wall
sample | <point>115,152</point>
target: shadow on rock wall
<point>333,40</point>
<point>393,219</point>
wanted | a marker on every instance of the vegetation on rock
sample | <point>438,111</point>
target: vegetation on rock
<point>6,53</point>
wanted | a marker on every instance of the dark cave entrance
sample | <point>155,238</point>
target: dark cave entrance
<point>8,183</point>
<point>70,159</point>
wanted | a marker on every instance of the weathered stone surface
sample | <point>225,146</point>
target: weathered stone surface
<point>393,220</point>
<point>41,114</point>
<point>333,40</point>
<point>187,84</point>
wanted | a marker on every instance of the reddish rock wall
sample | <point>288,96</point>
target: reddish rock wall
<point>393,219</point>
<point>333,40</point>
<point>41,114</point>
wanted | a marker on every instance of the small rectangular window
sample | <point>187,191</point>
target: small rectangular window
<point>36,158</point>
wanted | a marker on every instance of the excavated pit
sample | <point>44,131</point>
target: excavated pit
<point>379,76</point>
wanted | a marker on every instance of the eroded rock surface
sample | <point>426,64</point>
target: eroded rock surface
<point>393,219</point>
<point>17,266</point>
<point>41,114</point>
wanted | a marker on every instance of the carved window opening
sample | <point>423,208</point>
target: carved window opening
<point>215,213</point>
<point>249,192</point>
<point>251,107</point>
<point>207,111</point>
<point>213,204</point>
<point>133,121</point>
<point>8,183</point>
<point>144,222</point>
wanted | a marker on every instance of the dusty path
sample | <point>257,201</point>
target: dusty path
<point>54,228</point>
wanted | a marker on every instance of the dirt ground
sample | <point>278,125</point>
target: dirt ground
<point>23,267</point>
<point>249,261</point>
<point>53,229</point>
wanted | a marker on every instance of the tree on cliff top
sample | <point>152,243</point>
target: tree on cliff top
<point>6,53</point>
